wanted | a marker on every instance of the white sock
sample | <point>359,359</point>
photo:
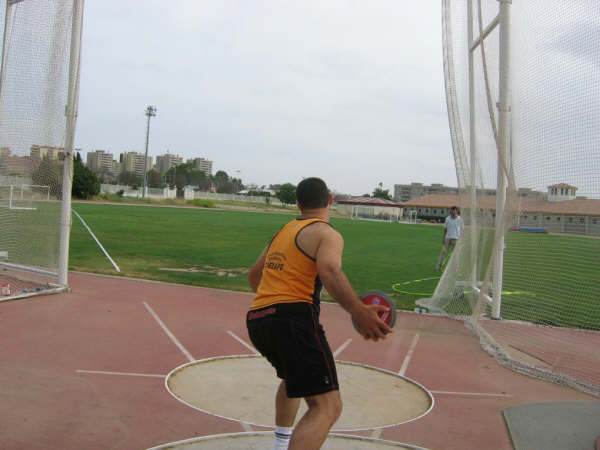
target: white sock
<point>282,437</point>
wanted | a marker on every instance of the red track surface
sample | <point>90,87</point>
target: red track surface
<point>47,400</point>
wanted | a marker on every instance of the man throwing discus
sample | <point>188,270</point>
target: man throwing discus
<point>283,321</point>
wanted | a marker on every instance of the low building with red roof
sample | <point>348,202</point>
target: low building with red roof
<point>571,216</point>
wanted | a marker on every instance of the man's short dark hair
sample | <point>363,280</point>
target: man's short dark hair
<point>312,193</point>
<point>455,208</point>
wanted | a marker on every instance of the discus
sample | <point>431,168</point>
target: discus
<point>379,298</point>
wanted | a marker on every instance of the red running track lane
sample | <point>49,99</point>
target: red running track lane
<point>105,325</point>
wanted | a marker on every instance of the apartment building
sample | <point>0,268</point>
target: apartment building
<point>44,151</point>
<point>202,164</point>
<point>166,161</point>
<point>134,162</point>
<point>99,161</point>
<point>406,192</point>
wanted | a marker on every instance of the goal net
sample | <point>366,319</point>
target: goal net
<point>23,196</point>
<point>375,213</point>
<point>38,97</point>
<point>522,92</point>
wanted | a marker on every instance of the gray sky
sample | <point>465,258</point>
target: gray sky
<point>347,90</point>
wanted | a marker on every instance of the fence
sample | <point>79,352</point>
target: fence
<point>189,193</point>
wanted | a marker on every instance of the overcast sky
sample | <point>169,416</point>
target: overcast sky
<point>347,90</point>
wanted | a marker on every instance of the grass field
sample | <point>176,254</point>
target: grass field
<point>549,279</point>
<point>559,277</point>
<point>213,247</point>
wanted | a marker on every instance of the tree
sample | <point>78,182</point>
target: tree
<point>287,194</point>
<point>49,173</point>
<point>182,175</point>
<point>237,185</point>
<point>223,183</point>
<point>155,179</point>
<point>379,192</point>
<point>198,178</point>
<point>85,183</point>
<point>129,178</point>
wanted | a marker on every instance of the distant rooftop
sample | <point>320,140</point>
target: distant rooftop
<point>370,201</point>
<point>563,186</point>
<point>575,207</point>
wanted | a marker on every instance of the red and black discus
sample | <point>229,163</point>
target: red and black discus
<point>379,298</point>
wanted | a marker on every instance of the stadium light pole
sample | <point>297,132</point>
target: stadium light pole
<point>150,112</point>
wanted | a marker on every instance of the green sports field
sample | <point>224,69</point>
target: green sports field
<point>214,248</point>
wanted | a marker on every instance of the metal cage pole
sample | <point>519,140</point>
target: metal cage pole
<point>472,148</point>
<point>504,132</point>
<point>71,117</point>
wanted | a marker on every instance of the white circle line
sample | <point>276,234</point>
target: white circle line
<point>267,433</point>
<point>216,358</point>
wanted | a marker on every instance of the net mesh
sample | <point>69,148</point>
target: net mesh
<point>33,96</point>
<point>545,240</point>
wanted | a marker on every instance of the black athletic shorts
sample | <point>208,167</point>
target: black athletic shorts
<point>290,337</point>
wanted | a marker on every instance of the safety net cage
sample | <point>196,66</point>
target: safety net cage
<point>38,98</point>
<point>523,91</point>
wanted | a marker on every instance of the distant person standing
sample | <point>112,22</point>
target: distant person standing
<point>452,230</point>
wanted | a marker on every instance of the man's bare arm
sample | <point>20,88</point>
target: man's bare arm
<point>329,267</point>
<point>255,273</point>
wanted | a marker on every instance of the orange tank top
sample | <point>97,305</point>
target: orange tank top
<point>289,275</point>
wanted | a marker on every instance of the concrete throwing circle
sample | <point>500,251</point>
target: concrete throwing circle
<point>262,440</point>
<point>242,388</point>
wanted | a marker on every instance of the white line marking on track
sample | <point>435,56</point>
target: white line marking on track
<point>127,374</point>
<point>171,335</point>
<point>243,342</point>
<point>376,434</point>
<point>408,357</point>
<point>341,348</point>
<point>246,426</point>
<point>472,394</point>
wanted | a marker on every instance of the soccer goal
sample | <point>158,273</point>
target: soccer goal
<point>522,88</point>
<point>412,216</point>
<point>366,212</point>
<point>23,196</point>
<point>39,79</point>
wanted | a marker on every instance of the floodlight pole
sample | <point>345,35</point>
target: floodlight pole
<point>150,112</point>
<point>71,117</point>
<point>504,133</point>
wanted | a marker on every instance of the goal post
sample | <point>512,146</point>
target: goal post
<point>23,196</point>
<point>38,108</point>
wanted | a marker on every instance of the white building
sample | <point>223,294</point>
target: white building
<point>561,192</point>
